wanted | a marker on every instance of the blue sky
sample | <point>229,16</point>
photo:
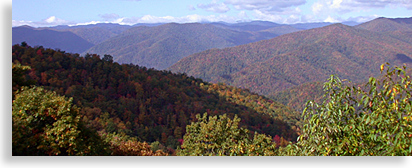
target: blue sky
<point>39,13</point>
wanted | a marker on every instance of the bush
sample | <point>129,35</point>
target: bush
<point>373,119</point>
<point>222,136</point>
<point>45,123</point>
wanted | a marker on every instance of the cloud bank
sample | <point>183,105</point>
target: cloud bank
<point>50,21</point>
<point>113,18</point>
<point>346,6</point>
<point>279,11</point>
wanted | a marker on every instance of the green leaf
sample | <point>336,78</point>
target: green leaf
<point>367,120</point>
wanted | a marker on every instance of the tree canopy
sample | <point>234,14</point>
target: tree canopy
<point>371,119</point>
<point>221,136</point>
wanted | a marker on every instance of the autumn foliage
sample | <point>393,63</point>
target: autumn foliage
<point>64,104</point>
<point>149,105</point>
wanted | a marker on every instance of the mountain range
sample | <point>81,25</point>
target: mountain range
<point>265,57</point>
<point>153,45</point>
<point>161,46</point>
<point>273,65</point>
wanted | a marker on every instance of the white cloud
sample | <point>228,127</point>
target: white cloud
<point>331,20</point>
<point>382,3</point>
<point>344,6</point>
<point>86,23</point>
<point>50,21</point>
<point>214,6</point>
<point>210,18</point>
<point>266,6</point>
<point>279,11</point>
<point>184,19</point>
<point>259,15</point>
<point>336,4</point>
<point>16,23</point>
<point>317,7</point>
<point>154,19</point>
<point>330,10</point>
<point>292,19</point>
<point>243,17</point>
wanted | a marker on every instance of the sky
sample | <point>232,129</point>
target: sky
<point>43,13</point>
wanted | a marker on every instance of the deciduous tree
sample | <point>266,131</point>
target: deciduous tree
<point>45,123</point>
<point>221,136</point>
<point>373,119</point>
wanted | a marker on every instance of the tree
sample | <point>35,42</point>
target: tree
<point>47,124</point>
<point>222,136</point>
<point>108,58</point>
<point>18,76</point>
<point>123,145</point>
<point>375,119</point>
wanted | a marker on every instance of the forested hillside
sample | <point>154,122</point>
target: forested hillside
<point>146,104</point>
<point>297,96</point>
<point>161,46</point>
<point>387,25</point>
<point>270,66</point>
<point>97,33</point>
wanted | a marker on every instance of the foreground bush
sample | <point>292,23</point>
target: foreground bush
<point>221,136</point>
<point>373,119</point>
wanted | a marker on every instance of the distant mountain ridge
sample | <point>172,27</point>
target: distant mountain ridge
<point>105,39</point>
<point>67,41</point>
<point>387,24</point>
<point>160,50</point>
<point>162,46</point>
<point>292,59</point>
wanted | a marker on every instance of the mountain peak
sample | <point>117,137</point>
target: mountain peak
<point>336,28</point>
<point>382,24</point>
<point>27,26</point>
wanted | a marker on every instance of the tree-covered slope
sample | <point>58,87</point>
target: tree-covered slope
<point>387,24</point>
<point>161,46</point>
<point>148,104</point>
<point>292,59</point>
